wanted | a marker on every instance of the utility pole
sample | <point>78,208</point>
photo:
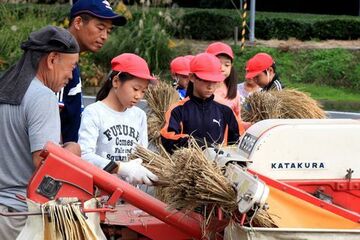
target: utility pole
<point>252,22</point>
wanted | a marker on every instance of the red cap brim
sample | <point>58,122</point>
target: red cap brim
<point>153,80</point>
<point>185,73</point>
<point>250,75</point>
<point>211,77</point>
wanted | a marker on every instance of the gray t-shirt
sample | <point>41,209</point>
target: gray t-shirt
<point>25,128</point>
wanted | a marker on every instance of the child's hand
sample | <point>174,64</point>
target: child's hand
<point>135,173</point>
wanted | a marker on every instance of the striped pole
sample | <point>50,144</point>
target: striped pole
<point>243,31</point>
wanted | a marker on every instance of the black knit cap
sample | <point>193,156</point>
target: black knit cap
<point>51,39</point>
<point>16,80</point>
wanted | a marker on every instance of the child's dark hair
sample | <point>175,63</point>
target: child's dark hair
<point>105,89</point>
<point>231,81</point>
<point>231,84</point>
<point>190,87</point>
<point>273,66</point>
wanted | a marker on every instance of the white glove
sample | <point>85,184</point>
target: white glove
<point>135,173</point>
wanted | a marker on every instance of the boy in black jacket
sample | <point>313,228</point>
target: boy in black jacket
<point>198,114</point>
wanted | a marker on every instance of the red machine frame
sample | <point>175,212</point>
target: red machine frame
<point>67,175</point>
<point>78,179</point>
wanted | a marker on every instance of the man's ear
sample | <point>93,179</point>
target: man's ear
<point>78,22</point>
<point>51,59</point>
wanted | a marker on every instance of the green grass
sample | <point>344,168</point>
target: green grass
<point>327,93</point>
<point>332,74</point>
<point>331,98</point>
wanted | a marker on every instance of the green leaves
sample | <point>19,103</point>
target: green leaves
<point>144,36</point>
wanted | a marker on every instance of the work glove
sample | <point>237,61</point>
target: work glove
<point>135,173</point>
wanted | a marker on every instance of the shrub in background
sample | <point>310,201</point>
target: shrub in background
<point>337,29</point>
<point>219,4</point>
<point>217,24</point>
<point>284,28</point>
<point>331,67</point>
<point>14,31</point>
<point>207,25</point>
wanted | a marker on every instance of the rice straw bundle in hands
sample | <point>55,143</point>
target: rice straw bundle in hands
<point>283,104</point>
<point>197,181</point>
<point>159,98</point>
<point>160,165</point>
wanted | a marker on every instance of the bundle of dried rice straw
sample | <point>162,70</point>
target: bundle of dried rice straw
<point>287,103</point>
<point>188,180</point>
<point>191,180</point>
<point>197,181</point>
<point>159,164</point>
<point>159,98</point>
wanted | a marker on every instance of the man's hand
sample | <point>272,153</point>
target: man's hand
<point>36,158</point>
<point>73,147</point>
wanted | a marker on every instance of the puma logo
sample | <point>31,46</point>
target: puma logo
<point>216,121</point>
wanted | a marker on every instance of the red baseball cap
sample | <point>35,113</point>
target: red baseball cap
<point>217,48</point>
<point>180,65</point>
<point>190,57</point>
<point>258,63</point>
<point>207,67</point>
<point>132,64</point>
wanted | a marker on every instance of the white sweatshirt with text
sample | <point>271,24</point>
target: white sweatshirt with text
<point>106,134</point>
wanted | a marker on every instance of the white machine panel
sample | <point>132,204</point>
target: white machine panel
<point>296,149</point>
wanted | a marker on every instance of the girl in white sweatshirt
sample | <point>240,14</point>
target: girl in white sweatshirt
<point>112,126</point>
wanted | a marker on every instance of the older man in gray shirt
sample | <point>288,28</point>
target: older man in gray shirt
<point>29,115</point>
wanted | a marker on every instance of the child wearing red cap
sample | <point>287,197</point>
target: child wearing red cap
<point>198,114</point>
<point>226,93</point>
<point>180,69</point>
<point>111,127</point>
<point>261,68</point>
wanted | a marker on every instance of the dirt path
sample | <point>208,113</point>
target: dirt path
<point>199,46</point>
<point>296,44</point>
